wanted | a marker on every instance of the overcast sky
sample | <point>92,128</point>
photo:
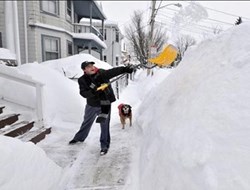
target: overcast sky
<point>122,11</point>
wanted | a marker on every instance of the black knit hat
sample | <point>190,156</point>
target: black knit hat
<point>86,63</point>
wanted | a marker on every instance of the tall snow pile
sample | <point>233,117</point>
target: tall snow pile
<point>71,66</point>
<point>25,166</point>
<point>199,134</point>
<point>60,94</point>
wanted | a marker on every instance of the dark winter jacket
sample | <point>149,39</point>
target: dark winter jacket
<point>102,76</point>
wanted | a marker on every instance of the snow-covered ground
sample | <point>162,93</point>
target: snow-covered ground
<point>6,54</point>
<point>190,128</point>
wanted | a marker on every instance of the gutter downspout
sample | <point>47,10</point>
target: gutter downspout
<point>112,45</point>
<point>16,32</point>
<point>25,32</point>
<point>90,8</point>
<point>9,27</point>
<point>101,53</point>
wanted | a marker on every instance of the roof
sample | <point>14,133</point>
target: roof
<point>83,9</point>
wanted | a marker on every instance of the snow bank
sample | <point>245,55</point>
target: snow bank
<point>61,95</point>
<point>6,54</point>
<point>198,137</point>
<point>26,166</point>
<point>71,66</point>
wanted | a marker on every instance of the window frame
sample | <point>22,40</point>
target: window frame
<point>116,60</point>
<point>43,38</point>
<point>69,17</point>
<point>105,34</point>
<point>1,40</point>
<point>117,36</point>
<point>69,43</point>
<point>42,9</point>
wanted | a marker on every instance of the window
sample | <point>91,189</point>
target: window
<point>117,60</point>
<point>1,43</point>
<point>105,58</point>
<point>70,48</point>
<point>105,34</point>
<point>50,6</point>
<point>69,9</point>
<point>50,48</point>
<point>124,46</point>
<point>116,35</point>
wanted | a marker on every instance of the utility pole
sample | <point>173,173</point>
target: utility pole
<point>152,20</point>
<point>151,34</point>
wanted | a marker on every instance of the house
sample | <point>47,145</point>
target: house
<point>113,40</point>
<point>38,31</point>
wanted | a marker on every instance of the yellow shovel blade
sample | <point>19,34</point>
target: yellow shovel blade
<point>166,57</point>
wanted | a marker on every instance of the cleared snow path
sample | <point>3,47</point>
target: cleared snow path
<point>93,171</point>
<point>84,168</point>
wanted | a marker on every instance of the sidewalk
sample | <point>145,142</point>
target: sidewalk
<point>84,168</point>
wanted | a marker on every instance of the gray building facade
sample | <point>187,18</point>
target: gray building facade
<point>38,31</point>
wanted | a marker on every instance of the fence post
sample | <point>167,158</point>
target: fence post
<point>39,104</point>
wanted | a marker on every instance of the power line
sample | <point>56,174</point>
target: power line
<point>215,20</point>
<point>187,28</point>
<point>190,30</point>
<point>202,26</point>
<point>225,13</point>
<point>207,27</point>
<point>195,26</point>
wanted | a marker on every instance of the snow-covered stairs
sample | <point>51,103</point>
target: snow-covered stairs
<point>10,125</point>
<point>8,119</point>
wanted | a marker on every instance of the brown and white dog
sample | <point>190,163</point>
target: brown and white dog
<point>125,112</point>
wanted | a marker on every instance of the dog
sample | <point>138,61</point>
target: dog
<point>125,112</point>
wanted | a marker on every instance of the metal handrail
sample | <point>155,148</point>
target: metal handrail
<point>85,28</point>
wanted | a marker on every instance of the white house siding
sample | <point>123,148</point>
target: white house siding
<point>32,46</point>
<point>114,49</point>
<point>63,37</point>
<point>33,11</point>
<point>35,15</point>
<point>40,23</point>
<point>94,53</point>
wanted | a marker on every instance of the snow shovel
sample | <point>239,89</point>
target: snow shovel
<point>105,85</point>
<point>166,57</point>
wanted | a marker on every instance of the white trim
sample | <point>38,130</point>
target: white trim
<point>25,32</point>
<point>50,27</point>
<point>16,33</point>
<point>89,36</point>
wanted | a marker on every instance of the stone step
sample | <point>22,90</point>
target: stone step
<point>35,136</point>
<point>17,128</point>
<point>8,119</point>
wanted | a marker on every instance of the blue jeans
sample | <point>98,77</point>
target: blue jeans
<point>89,118</point>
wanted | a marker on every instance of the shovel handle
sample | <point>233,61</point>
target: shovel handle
<point>102,87</point>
